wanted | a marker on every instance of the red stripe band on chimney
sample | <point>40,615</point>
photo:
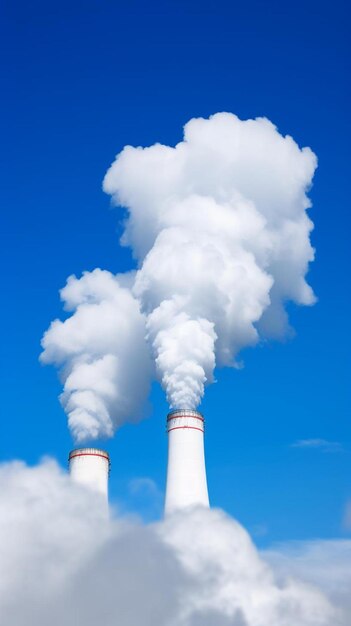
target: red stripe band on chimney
<point>177,417</point>
<point>182,428</point>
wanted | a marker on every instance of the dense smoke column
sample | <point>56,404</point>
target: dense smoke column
<point>219,228</point>
<point>101,353</point>
<point>186,471</point>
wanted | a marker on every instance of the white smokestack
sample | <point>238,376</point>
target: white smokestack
<point>186,472</point>
<point>90,467</point>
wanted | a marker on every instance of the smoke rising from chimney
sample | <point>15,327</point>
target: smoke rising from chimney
<point>218,226</point>
<point>104,361</point>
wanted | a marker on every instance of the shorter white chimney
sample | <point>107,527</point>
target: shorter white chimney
<point>90,467</point>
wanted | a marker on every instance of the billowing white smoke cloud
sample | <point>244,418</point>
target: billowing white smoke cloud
<point>219,228</point>
<point>62,562</point>
<point>102,352</point>
<point>218,225</point>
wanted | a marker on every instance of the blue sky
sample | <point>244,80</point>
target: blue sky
<point>82,79</point>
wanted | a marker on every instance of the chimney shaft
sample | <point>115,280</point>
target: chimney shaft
<point>186,472</point>
<point>90,467</point>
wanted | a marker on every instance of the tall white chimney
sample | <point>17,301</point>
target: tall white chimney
<point>186,471</point>
<point>90,467</point>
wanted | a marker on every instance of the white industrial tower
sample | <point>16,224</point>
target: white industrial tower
<point>186,471</point>
<point>90,467</point>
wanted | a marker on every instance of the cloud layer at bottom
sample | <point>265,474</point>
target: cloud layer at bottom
<point>64,561</point>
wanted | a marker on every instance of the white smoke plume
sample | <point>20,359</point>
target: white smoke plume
<point>218,225</point>
<point>63,562</point>
<point>101,349</point>
<point>219,228</point>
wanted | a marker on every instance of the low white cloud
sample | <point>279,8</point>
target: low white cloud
<point>322,444</point>
<point>63,562</point>
<point>325,563</point>
<point>347,516</point>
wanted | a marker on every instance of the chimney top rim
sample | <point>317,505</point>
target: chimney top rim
<point>185,413</point>
<point>89,452</point>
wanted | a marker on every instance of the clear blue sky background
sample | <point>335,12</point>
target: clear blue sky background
<point>82,79</point>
